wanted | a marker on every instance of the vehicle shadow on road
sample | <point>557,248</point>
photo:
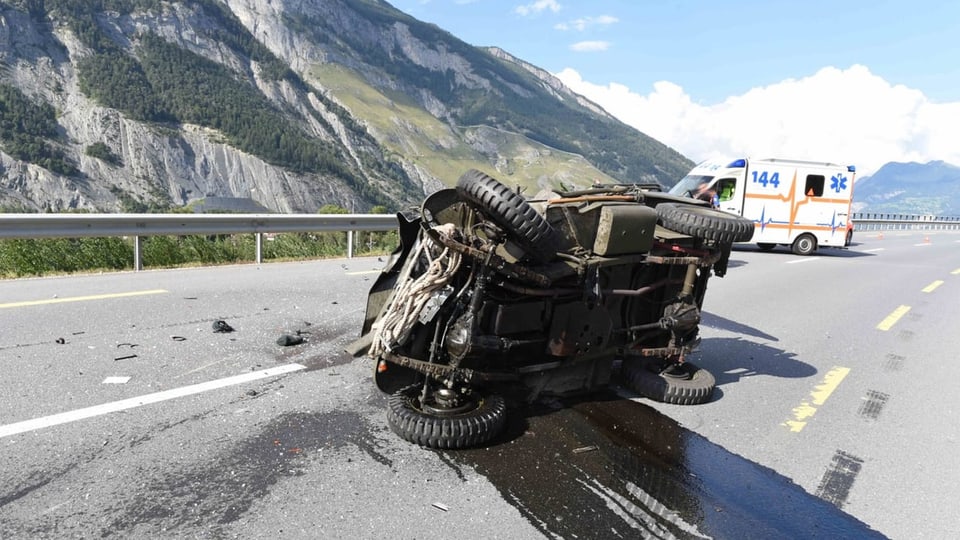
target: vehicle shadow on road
<point>732,359</point>
<point>784,251</point>
<point>722,323</point>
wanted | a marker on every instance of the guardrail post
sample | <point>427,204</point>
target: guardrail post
<point>259,242</point>
<point>137,254</point>
<point>349,244</point>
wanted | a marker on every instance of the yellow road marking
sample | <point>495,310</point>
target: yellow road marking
<point>80,298</point>
<point>892,319</point>
<point>818,397</point>
<point>931,287</point>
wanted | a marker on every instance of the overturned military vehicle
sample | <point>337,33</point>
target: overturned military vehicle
<point>491,296</point>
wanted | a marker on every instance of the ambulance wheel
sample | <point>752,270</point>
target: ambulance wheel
<point>668,382</point>
<point>446,419</point>
<point>705,223</point>
<point>805,244</point>
<point>509,210</point>
<point>764,246</point>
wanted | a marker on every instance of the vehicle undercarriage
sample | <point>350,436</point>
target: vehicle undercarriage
<point>491,297</point>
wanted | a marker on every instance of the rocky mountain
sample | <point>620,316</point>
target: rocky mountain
<point>136,105</point>
<point>910,188</point>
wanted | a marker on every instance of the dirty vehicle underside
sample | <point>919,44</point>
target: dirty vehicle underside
<point>492,296</point>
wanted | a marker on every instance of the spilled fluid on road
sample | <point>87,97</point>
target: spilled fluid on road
<point>613,468</point>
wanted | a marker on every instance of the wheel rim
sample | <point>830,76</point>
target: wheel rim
<point>676,372</point>
<point>804,245</point>
<point>446,402</point>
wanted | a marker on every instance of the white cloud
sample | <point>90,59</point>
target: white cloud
<point>590,46</point>
<point>537,7</point>
<point>585,22</point>
<point>848,116</point>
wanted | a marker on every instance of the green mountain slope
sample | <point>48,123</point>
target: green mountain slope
<point>469,86</point>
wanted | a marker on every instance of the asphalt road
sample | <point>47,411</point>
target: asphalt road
<point>125,415</point>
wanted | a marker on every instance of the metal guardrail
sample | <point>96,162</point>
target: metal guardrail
<point>141,225</point>
<point>867,221</point>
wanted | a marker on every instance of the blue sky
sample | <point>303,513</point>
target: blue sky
<point>789,74</point>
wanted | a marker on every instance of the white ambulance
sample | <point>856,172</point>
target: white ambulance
<point>802,204</point>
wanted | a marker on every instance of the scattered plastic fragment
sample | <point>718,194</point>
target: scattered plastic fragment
<point>584,449</point>
<point>178,338</point>
<point>116,380</point>
<point>287,339</point>
<point>222,327</point>
<point>127,357</point>
<point>441,506</point>
<point>60,341</point>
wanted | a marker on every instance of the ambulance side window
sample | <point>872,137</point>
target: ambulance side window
<point>726,188</point>
<point>814,187</point>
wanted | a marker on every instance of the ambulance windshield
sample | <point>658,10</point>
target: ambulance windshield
<point>690,185</point>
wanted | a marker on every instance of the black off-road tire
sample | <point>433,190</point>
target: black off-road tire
<point>805,244</point>
<point>644,377</point>
<point>471,428</point>
<point>509,210</point>
<point>705,223</point>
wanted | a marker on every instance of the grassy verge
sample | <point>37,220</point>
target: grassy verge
<point>53,256</point>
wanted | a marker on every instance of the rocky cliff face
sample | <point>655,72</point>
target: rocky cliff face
<point>396,139</point>
<point>173,164</point>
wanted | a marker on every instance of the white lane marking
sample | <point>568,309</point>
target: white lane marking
<point>81,298</point>
<point>874,250</point>
<point>923,244</point>
<point>805,259</point>
<point>124,404</point>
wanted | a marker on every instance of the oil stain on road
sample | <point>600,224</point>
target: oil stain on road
<point>614,468</point>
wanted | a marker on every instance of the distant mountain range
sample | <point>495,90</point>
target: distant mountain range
<point>910,188</point>
<point>140,105</point>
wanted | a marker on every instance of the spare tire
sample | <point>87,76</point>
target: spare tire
<point>705,223</point>
<point>509,210</point>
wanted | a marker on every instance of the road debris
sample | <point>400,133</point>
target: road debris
<point>221,327</point>
<point>287,340</point>
<point>116,380</point>
<point>127,357</point>
<point>441,506</point>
